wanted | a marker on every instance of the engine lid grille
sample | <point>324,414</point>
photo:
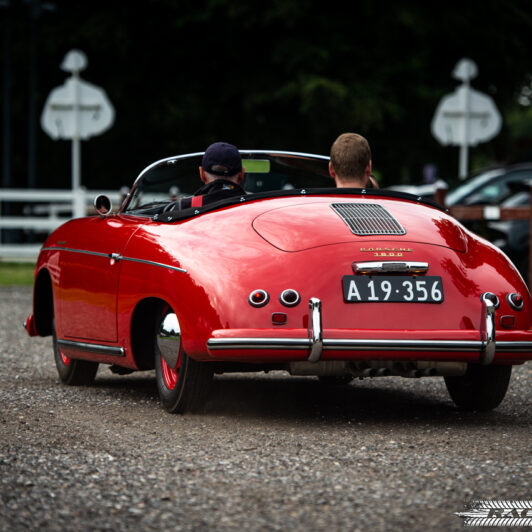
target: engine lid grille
<point>368,219</point>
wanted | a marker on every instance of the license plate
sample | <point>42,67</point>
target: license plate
<point>398,289</point>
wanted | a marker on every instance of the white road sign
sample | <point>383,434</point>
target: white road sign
<point>76,111</point>
<point>466,116</point>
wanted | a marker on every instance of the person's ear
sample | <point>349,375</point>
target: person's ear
<point>240,178</point>
<point>332,173</point>
<point>367,172</point>
<point>203,177</point>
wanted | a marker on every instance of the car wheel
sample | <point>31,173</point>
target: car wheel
<point>71,371</point>
<point>481,388</point>
<point>335,380</point>
<point>184,387</point>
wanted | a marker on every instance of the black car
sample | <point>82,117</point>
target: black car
<point>507,186</point>
<point>512,236</point>
<point>491,187</point>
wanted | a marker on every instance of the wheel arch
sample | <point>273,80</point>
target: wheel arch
<point>144,320</point>
<point>43,303</point>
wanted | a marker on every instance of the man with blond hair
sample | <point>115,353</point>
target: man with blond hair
<point>350,164</point>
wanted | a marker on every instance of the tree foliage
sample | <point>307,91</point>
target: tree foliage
<point>282,74</point>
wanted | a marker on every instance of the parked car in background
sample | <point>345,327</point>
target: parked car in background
<point>491,187</point>
<point>425,191</point>
<point>505,186</point>
<point>513,236</point>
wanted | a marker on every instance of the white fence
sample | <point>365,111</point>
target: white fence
<point>43,210</point>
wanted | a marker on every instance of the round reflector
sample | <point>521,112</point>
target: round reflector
<point>289,298</point>
<point>258,298</point>
<point>515,301</point>
<point>491,297</point>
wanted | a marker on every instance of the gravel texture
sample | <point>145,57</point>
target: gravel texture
<point>270,452</point>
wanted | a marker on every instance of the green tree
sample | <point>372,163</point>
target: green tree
<point>289,74</point>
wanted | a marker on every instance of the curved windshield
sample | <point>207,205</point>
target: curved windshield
<point>178,177</point>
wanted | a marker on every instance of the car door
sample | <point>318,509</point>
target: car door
<point>90,270</point>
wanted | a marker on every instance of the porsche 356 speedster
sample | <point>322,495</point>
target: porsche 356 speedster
<point>294,275</point>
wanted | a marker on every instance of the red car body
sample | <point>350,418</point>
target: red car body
<point>104,285</point>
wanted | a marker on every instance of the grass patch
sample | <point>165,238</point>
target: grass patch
<point>16,273</point>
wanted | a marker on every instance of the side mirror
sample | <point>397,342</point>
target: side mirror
<point>103,205</point>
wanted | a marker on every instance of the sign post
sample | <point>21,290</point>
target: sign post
<point>465,117</point>
<point>76,111</point>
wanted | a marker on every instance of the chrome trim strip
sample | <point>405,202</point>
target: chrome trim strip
<point>72,250</point>
<point>402,345</point>
<point>488,331</point>
<point>515,347</point>
<point>115,256</point>
<point>315,332</point>
<point>174,158</point>
<point>371,344</point>
<point>390,267</point>
<point>93,348</point>
<point>258,343</point>
<point>152,263</point>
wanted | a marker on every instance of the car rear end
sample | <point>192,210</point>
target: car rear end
<point>378,287</point>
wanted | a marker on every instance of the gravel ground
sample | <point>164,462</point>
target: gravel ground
<point>270,452</point>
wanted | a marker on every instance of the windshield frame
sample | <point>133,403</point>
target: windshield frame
<point>174,159</point>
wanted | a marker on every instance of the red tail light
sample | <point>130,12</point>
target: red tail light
<point>258,298</point>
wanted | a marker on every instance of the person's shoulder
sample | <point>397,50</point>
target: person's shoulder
<point>216,186</point>
<point>225,184</point>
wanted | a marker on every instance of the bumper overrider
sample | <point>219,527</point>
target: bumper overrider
<point>317,344</point>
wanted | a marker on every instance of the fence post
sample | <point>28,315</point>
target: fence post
<point>439,196</point>
<point>78,202</point>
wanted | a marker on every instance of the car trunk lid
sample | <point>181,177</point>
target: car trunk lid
<point>323,222</point>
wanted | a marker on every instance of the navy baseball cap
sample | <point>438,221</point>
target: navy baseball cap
<point>222,159</point>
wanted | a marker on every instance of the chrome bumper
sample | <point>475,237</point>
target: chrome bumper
<point>315,343</point>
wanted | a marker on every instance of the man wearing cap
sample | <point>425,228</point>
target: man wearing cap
<point>223,174</point>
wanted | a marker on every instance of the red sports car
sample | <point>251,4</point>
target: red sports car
<point>293,275</point>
